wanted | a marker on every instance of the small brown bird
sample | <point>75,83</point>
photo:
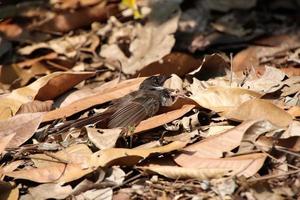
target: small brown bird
<point>131,109</point>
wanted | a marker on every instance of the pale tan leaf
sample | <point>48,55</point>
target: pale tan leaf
<point>54,168</point>
<point>270,81</point>
<point>57,191</point>
<point>215,130</point>
<point>246,165</point>
<point>67,45</point>
<point>294,111</point>
<point>23,125</point>
<point>76,154</point>
<point>215,146</point>
<point>56,172</point>
<point>35,106</point>
<point>220,99</point>
<point>103,138</point>
<point>256,130</point>
<point>176,172</point>
<point>292,130</point>
<point>12,166</point>
<point>101,194</point>
<point>45,88</point>
<point>120,156</point>
<point>259,109</point>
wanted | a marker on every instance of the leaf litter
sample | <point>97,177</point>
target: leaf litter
<point>232,131</point>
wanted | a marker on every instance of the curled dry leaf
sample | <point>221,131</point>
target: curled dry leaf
<point>246,165</point>
<point>291,143</point>
<point>100,97</point>
<point>152,42</point>
<point>67,46</point>
<point>259,109</point>
<point>250,136</point>
<point>103,138</point>
<point>35,106</point>
<point>45,88</point>
<point>270,81</point>
<point>212,66</point>
<point>128,157</point>
<point>176,172</point>
<point>215,146</point>
<point>292,130</point>
<point>221,99</point>
<point>23,126</point>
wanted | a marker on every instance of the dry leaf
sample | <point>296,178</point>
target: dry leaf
<point>5,140</point>
<point>259,109</point>
<point>54,169</point>
<point>103,194</point>
<point>294,111</point>
<point>212,66</point>
<point>152,42</point>
<point>36,106</point>
<point>269,82</point>
<point>162,119</point>
<point>103,138</point>
<point>220,99</point>
<point>58,172</point>
<point>120,156</point>
<point>291,143</point>
<point>76,154</point>
<point>176,172</point>
<point>246,165</point>
<point>67,46</point>
<point>215,146</point>
<point>57,191</point>
<point>67,21</point>
<point>250,136</point>
<point>45,88</point>
<point>23,126</point>
<point>178,63</point>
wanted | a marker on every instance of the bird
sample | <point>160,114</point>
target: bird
<point>131,109</point>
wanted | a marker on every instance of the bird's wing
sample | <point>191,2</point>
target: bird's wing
<point>134,112</point>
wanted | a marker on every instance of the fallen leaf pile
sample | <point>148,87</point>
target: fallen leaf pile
<point>233,130</point>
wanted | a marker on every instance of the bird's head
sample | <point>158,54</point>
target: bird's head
<point>154,82</point>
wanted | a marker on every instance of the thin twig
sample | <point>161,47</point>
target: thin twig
<point>273,176</point>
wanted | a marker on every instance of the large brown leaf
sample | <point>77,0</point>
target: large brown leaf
<point>259,109</point>
<point>45,88</point>
<point>22,125</point>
